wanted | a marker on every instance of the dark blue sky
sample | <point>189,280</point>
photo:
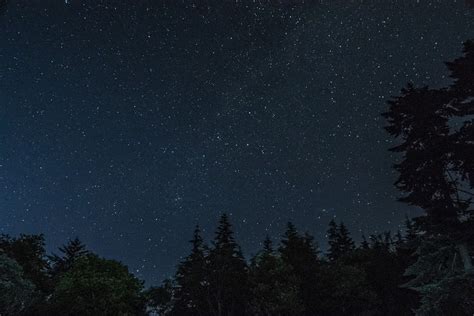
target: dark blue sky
<point>127,124</point>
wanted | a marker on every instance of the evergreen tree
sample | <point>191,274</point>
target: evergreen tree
<point>273,290</point>
<point>159,299</point>
<point>340,242</point>
<point>437,174</point>
<point>332,235</point>
<point>399,240</point>
<point>346,244</point>
<point>300,254</point>
<point>70,252</point>
<point>411,230</point>
<point>364,244</point>
<point>228,273</point>
<point>191,280</point>
<point>297,250</point>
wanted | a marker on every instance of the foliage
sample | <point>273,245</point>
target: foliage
<point>192,285</point>
<point>159,299</point>
<point>436,130</point>
<point>29,252</point>
<point>228,273</point>
<point>70,252</point>
<point>339,240</point>
<point>275,291</point>
<point>97,286</point>
<point>16,292</point>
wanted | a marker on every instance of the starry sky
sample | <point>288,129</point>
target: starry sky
<point>126,123</point>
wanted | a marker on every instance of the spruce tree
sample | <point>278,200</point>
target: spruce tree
<point>70,252</point>
<point>191,280</point>
<point>274,292</point>
<point>300,254</point>
<point>346,244</point>
<point>364,244</point>
<point>340,242</point>
<point>411,232</point>
<point>332,235</point>
<point>228,273</point>
<point>298,250</point>
<point>437,174</point>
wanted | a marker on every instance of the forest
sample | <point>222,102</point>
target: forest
<point>423,269</point>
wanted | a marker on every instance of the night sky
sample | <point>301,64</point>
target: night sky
<point>126,123</point>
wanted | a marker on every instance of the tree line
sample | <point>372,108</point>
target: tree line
<point>293,278</point>
<point>426,270</point>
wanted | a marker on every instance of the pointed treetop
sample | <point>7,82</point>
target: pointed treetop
<point>364,244</point>
<point>73,248</point>
<point>290,230</point>
<point>197,240</point>
<point>339,240</point>
<point>267,245</point>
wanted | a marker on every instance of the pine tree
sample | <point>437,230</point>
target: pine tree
<point>268,246</point>
<point>273,291</point>
<point>437,174</point>
<point>300,254</point>
<point>346,244</point>
<point>364,244</point>
<point>70,252</point>
<point>228,273</point>
<point>399,240</point>
<point>411,230</point>
<point>340,242</point>
<point>332,235</point>
<point>297,250</point>
<point>191,280</point>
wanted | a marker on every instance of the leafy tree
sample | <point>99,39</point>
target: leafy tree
<point>16,292</point>
<point>97,286</point>
<point>228,273</point>
<point>192,285</point>
<point>29,252</point>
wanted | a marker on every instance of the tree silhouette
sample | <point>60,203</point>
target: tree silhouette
<point>97,286</point>
<point>29,251</point>
<point>301,255</point>
<point>70,252</point>
<point>340,242</point>
<point>228,273</point>
<point>192,284</point>
<point>274,291</point>
<point>437,174</point>
<point>16,292</point>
